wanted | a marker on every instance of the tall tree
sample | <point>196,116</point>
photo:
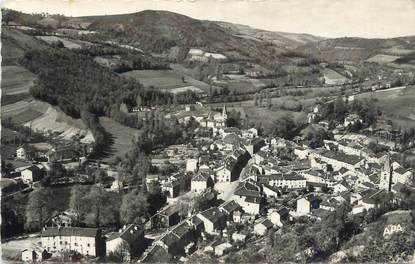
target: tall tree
<point>39,208</point>
<point>134,208</point>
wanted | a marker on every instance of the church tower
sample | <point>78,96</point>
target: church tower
<point>224,113</point>
<point>386,175</point>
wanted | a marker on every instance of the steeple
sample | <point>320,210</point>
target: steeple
<point>386,175</point>
<point>224,112</point>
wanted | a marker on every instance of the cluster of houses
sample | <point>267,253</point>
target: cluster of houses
<point>269,183</point>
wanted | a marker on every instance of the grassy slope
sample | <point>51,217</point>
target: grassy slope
<point>121,136</point>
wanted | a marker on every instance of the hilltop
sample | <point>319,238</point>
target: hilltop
<point>283,40</point>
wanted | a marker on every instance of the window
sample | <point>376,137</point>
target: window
<point>66,243</point>
<point>89,245</point>
<point>76,244</point>
<point>60,242</point>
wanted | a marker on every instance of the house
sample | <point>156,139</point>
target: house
<point>62,153</point>
<point>270,191</point>
<point>21,153</point>
<point>234,163</point>
<point>181,239</point>
<point>307,203</point>
<point>167,217</point>
<point>238,237</point>
<point>370,200</point>
<point>213,220</point>
<point>341,186</point>
<point>222,249</point>
<point>339,160</point>
<point>192,165</point>
<point>29,255</point>
<point>237,217</point>
<point>171,188</point>
<point>281,180</point>
<point>131,237</point>
<point>254,145</point>
<point>230,208</point>
<point>352,119</point>
<point>277,217</point>
<point>31,174</point>
<point>248,195</point>
<point>201,181</point>
<point>262,226</point>
<point>86,241</point>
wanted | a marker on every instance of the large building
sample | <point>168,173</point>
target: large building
<point>86,241</point>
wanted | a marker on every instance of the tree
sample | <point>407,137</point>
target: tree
<point>39,208</point>
<point>283,126</point>
<point>102,208</point>
<point>134,208</point>
<point>77,201</point>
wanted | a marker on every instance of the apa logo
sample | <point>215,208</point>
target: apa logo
<point>390,229</point>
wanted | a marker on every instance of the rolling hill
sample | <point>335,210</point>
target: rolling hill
<point>159,31</point>
<point>283,40</point>
<point>358,49</point>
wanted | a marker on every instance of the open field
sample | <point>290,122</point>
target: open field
<point>382,58</point>
<point>69,44</point>
<point>16,80</point>
<point>12,250</point>
<point>7,99</point>
<point>164,79</point>
<point>122,137</point>
<point>397,104</point>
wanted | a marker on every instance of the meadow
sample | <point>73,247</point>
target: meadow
<point>164,79</point>
<point>121,137</point>
<point>396,104</point>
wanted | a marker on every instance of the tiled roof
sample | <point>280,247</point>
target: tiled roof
<point>247,189</point>
<point>230,206</point>
<point>70,231</point>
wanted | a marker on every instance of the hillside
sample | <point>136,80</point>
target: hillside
<point>358,49</point>
<point>159,31</point>
<point>15,44</point>
<point>281,39</point>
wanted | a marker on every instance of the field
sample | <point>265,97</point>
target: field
<point>16,80</point>
<point>164,79</point>
<point>122,137</point>
<point>396,104</point>
<point>69,44</point>
<point>56,120</point>
<point>382,58</point>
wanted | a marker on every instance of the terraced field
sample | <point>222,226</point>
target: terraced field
<point>16,80</point>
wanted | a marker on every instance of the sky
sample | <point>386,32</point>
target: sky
<point>328,18</point>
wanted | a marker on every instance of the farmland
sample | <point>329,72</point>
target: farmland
<point>396,104</point>
<point>16,80</point>
<point>69,44</point>
<point>121,136</point>
<point>164,79</point>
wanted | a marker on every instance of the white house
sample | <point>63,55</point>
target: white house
<point>31,174</point>
<point>86,241</point>
<point>278,216</point>
<point>262,227</point>
<point>192,165</point>
<point>21,153</point>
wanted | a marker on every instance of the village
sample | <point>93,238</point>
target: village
<point>246,186</point>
